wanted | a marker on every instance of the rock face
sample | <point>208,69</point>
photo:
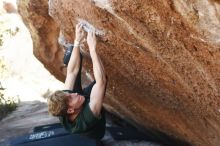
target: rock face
<point>162,58</point>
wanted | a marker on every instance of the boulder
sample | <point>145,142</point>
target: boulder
<point>162,58</point>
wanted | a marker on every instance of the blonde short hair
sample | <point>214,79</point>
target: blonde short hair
<point>57,103</point>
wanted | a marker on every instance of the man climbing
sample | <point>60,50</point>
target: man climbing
<point>80,110</point>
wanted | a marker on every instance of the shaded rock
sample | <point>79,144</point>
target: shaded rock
<point>162,58</point>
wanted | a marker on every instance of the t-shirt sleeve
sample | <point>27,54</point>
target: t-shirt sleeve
<point>89,117</point>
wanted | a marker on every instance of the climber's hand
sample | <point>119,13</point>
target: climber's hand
<point>79,32</point>
<point>91,40</point>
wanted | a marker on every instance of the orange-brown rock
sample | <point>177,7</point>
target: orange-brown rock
<point>162,58</point>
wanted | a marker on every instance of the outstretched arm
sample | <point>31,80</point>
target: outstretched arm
<point>74,63</point>
<point>98,90</point>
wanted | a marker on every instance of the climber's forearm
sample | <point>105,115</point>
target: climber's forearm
<point>74,63</point>
<point>98,68</point>
<point>72,69</point>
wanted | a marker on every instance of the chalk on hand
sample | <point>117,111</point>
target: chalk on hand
<point>88,28</point>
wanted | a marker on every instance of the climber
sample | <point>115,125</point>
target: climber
<point>80,110</point>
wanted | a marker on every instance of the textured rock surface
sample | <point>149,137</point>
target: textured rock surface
<point>162,58</point>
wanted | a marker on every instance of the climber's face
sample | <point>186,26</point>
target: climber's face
<point>74,103</point>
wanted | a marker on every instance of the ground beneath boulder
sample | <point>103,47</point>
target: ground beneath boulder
<point>31,114</point>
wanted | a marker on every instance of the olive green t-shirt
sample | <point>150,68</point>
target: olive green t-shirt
<point>86,123</point>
